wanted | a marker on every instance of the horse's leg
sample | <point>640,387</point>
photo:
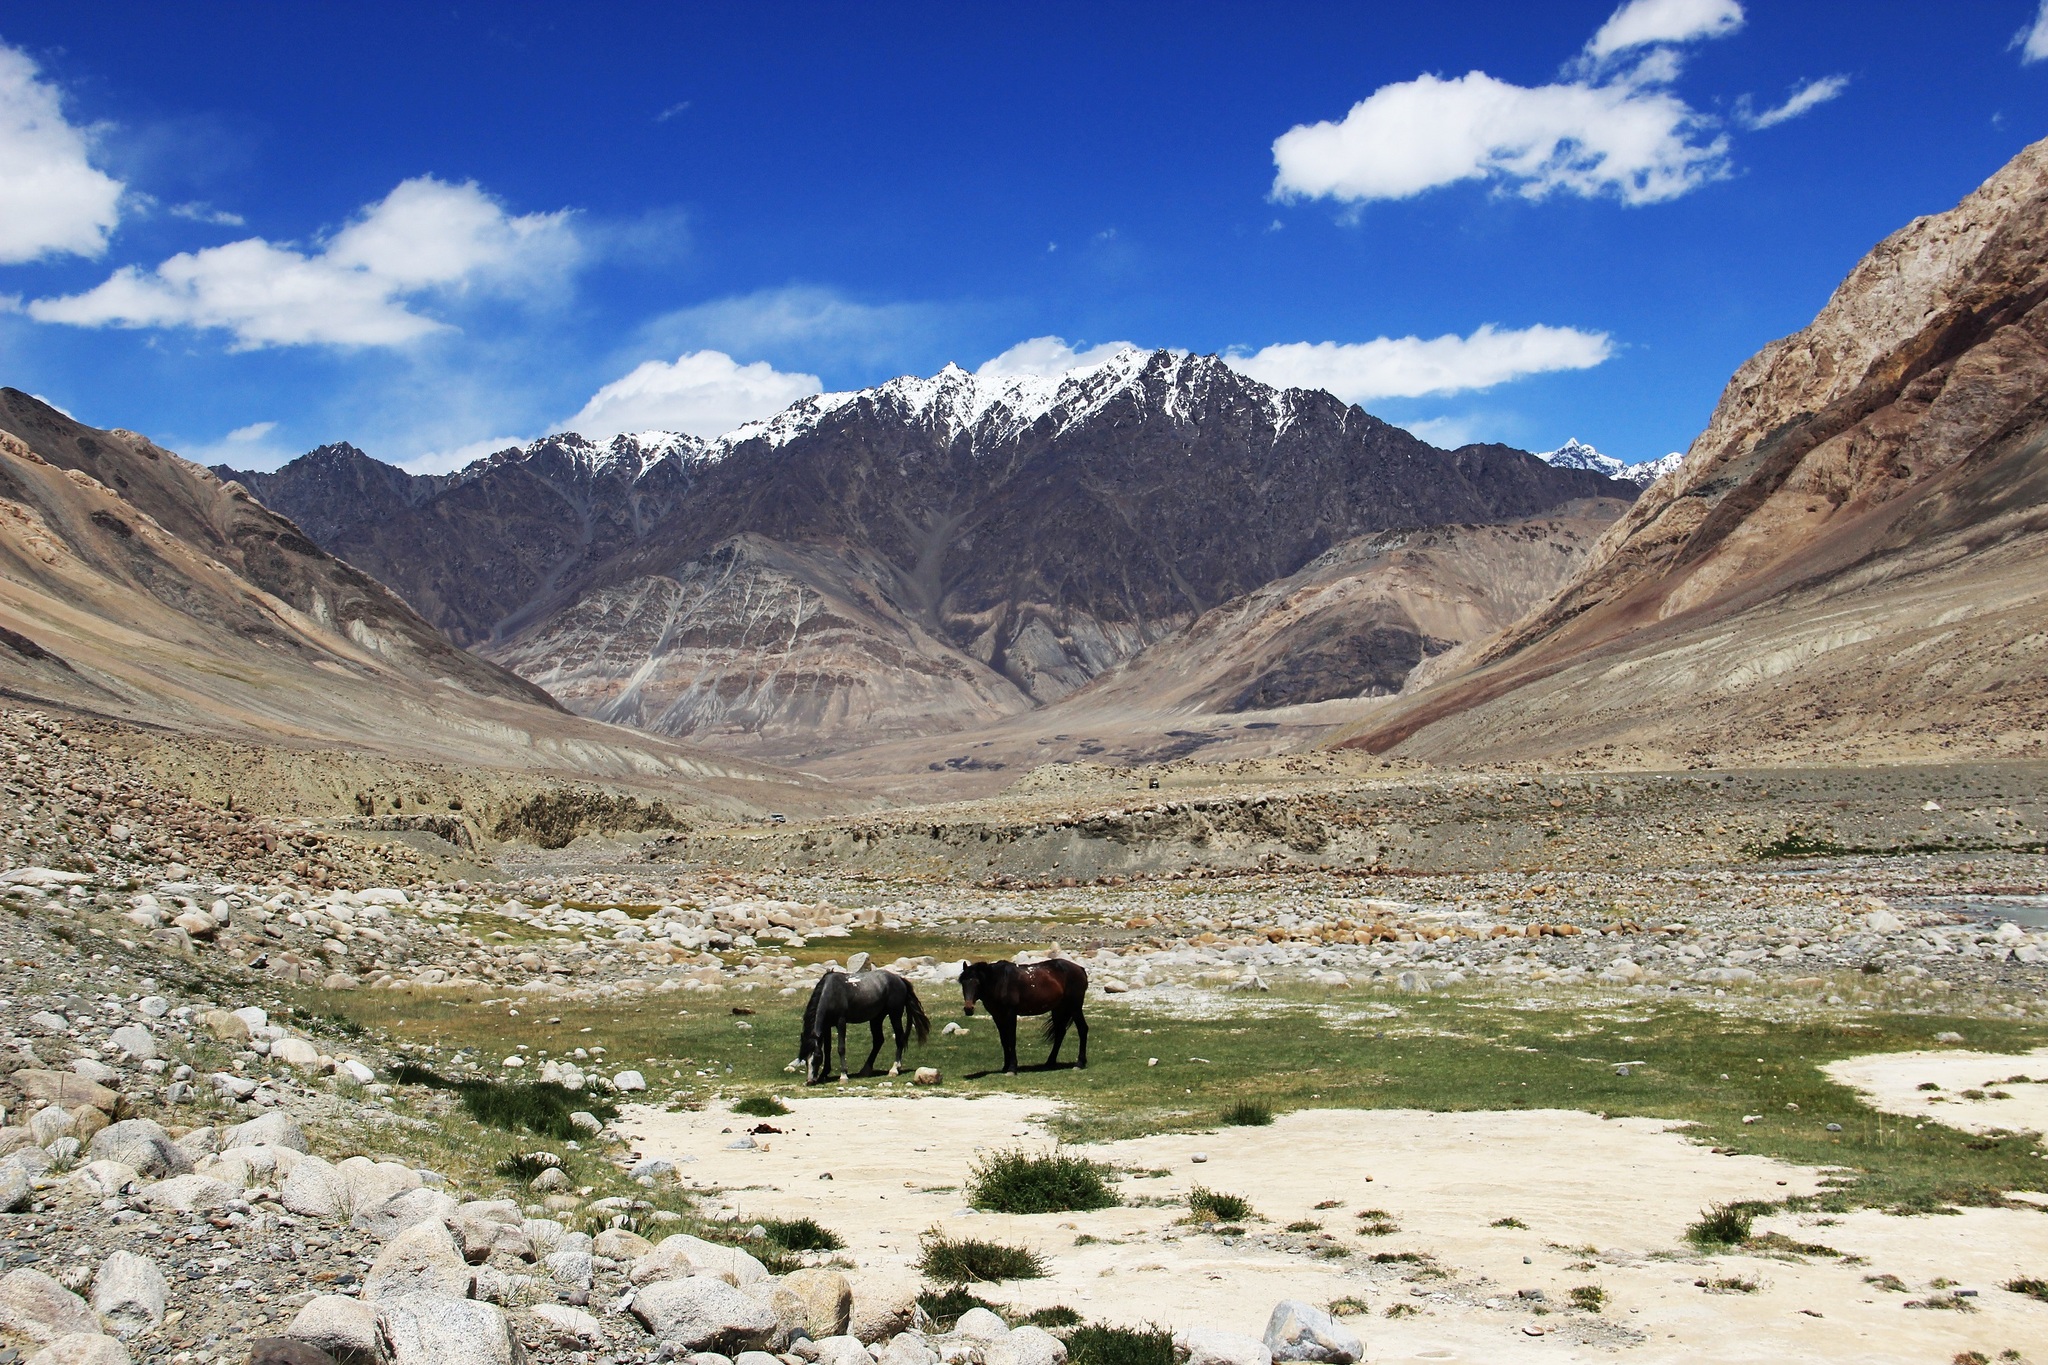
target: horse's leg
<point>1059,1035</point>
<point>1006,1026</point>
<point>902,1032</point>
<point>842,1051</point>
<point>867,1068</point>
<point>1081,1032</point>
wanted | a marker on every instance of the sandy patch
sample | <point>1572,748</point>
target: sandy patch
<point>1891,1081</point>
<point>1606,1203</point>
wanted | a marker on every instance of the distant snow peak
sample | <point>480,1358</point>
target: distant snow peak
<point>1576,454</point>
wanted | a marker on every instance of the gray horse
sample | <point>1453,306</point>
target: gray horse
<point>838,1000</point>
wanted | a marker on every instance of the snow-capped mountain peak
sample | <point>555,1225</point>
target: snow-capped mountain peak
<point>1576,454</point>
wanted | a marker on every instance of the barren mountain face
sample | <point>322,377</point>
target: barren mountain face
<point>927,555</point>
<point>1852,550</point>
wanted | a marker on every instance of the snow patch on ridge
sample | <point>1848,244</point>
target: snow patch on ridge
<point>1576,454</point>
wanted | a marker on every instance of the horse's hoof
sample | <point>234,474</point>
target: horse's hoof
<point>842,1078</point>
<point>895,1071</point>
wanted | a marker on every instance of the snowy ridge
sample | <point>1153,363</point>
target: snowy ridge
<point>1576,454</point>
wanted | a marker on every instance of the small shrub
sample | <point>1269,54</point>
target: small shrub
<point>1724,1225</point>
<point>1730,1284</point>
<point>527,1165</point>
<point>1590,1297</point>
<point>1396,1258</point>
<point>1509,1223</point>
<point>969,1259</point>
<point>944,1307</point>
<point>1059,1315</point>
<point>1212,1206</point>
<point>1376,1223</point>
<point>1348,1306</point>
<point>1331,1204</point>
<point>1099,1344</point>
<point>1402,1310</point>
<point>2033,1289</point>
<point>802,1234</point>
<point>542,1107</point>
<point>1891,1284</point>
<point>1027,1182</point>
<point>412,1073</point>
<point>1947,1303</point>
<point>1248,1114</point>
<point>1304,1225</point>
<point>761,1107</point>
<point>1927,1085</point>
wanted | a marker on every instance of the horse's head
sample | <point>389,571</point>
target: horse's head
<point>973,982</point>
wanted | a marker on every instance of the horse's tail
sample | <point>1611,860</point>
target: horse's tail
<point>913,1009</point>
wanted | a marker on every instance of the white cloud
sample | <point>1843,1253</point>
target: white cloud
<point>1808,96</point>
<point>797,315</point>
<point>1623,137</point>
<point>2032,41</point>
<point>255,431</point>
<point>704,393</point>
<point>207,213</point>
<point>1411,367</point>
<point>1642,22</point>
<point>1050,357</point>
<point>359,287</point>
<point>52,200</point>
<point>1446,433</point>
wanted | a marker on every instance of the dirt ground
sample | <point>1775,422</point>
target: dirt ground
<point>1893,1082</point>
<point>1605,1203</point>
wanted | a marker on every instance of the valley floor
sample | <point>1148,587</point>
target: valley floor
<point>1515,1031</point>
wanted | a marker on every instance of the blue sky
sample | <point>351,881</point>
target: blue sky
<point>249,229</point>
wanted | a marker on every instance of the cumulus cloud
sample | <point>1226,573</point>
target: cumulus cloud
<point>459,457</point>
<point>1050,357</point>
<point>2032,41</point>
<point>1640,23</point>
<point>1412,367</point>
<point>1808,96</point>
<point>361,286</point>
<point>53,201</point>
<point>1613,127</point>
<point>704,393</point>
<point>1632,140</point>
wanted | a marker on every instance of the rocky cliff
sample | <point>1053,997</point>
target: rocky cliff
<point>1853,553</point>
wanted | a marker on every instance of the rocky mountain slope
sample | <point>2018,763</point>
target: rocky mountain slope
<point>1853,557</point>
<point>136,584</point>
<point>928,554</point>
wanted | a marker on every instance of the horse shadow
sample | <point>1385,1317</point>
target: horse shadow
<point>1022,1069</point>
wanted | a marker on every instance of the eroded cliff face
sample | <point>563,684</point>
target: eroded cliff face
<point>1852,547</point>
<point>762,647</point>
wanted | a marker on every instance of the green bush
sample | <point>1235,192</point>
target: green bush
<point>802,1234</point>
<point>1724,1225</point>
<point>968,1259</point>
<point>1059,1315</point>
<point>1212,1206</point>
<point>761,1107</point>
<point>944,1307</point>
<point>1026,1182</point>
<point>1248,1114</point>
<point>528,1165</point>
<point>2032,1288</point>
<point>1590,1297</point>
<point>542,1107</point>
<point>1098,1344</point>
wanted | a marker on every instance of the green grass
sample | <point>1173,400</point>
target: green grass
<point>1059,1315</point>
<point>1099,1344</point>
<point>965,1260</point>
<point>1450,1051</point>
<point>527,1165</point>
<point>760,1107</point>
<point>1509,1223</point>
<point>1589,1297</point>
<point>1027,1182</point>
<point>1378,1223</point>
<point>944,1306</point>
<point>1248,1114</point>
<point>1211,1206</point>
<point>541,1107</point>
<point>802,1234</point>
<point>2032,1288</point>
<point>1724,1225</point>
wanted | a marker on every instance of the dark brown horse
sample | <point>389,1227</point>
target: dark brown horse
<point>1055,988</point>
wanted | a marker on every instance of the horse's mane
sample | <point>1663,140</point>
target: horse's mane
<point>807,1041</point>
